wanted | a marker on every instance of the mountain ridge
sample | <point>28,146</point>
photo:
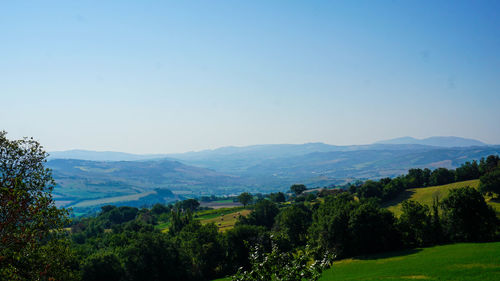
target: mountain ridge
<point>441,141</point>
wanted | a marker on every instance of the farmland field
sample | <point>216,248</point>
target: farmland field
<point>224,218</point>
<point>470,261</point>
<point>226,221</point>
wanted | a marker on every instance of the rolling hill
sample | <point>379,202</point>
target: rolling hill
<point>267,168</point>
<point>425,195</point>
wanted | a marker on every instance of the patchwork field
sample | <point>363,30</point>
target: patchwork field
<point>425,195</point>
<point>224,218</point>
<point>470,261</point>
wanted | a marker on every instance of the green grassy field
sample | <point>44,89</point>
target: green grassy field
<point>425,195</point>
<point>471,261</point>
<point>466,261</point>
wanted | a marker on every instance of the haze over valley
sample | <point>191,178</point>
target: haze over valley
<point>87,179</point>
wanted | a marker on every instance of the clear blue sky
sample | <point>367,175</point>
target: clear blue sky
<point>160,77</point>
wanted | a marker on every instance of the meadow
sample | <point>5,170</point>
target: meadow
<point>466,261</point>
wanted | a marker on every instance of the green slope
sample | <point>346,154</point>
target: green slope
<point>471,261</point>
<point>425,195</point>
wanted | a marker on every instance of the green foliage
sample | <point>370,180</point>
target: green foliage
<point>370,189</point>
<point>467,217</point>
<point>415,224</point>
<point>263,214</point>
<point>441,176</point>
<point>340,225</point>
<point>298,189</point>
<point>245,198</point>
<point>293,223</point>
<point>467,171</point>
<point>490,182</point>
<point>284,266</point>
<point>187,205</point>
<point>153,256</point>
<point>32,244</point>
<point>102,266</point>
<point>379,223</point>
<point>277,197</point>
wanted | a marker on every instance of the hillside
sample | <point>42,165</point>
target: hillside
<point>425,195</point>
<point>478,261</point>
<point>253,169</point>
<point>83,183</point>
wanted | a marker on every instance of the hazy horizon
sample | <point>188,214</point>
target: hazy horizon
<point>170,77</point>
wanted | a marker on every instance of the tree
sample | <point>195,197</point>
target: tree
<point>29,219</point>
<point>239,241</point>
<point>370,189</point>
<point>153,256</point>
<point>489,164</point>
<point>293,223</point>
<point>245,198</point>
<point>490,182</point>
<point>188,205</point>
<point>298,189</point>
<point>467,217</point>
<point>441,176</point>
<point>379,223</point>
<point>415,224</point>
<point>330,225</point>
<point>263,214</point>
<point>285,266</point>
<point>102,266</point>
<point>467,171</point>
<point>278,197</point>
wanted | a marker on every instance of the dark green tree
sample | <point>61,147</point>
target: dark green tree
<point>278,197</point>
<point>467,217</point>
<point>441,176</point>
<point>370,189</point>
<point>188,205</point>
<point>467,171</point>
<point>240,239</point>
<point>103,266</point>
<point>263,214</point>
<point>329,231</point>
<point>29,219</point>
<point>490,182</point>
<point>245,198</point>
<point>298,189</point>
<point>415,224</point>
<point>293,222</point>
<point>153,256</point>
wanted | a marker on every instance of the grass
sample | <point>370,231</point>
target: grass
<point>469,261</point>
<point>425,195</point>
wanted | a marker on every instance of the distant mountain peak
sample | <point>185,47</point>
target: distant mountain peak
<point>443,141</point>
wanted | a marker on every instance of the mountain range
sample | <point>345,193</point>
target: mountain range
<point>112,177</point>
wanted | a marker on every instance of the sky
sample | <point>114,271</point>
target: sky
<point>175,76</point>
